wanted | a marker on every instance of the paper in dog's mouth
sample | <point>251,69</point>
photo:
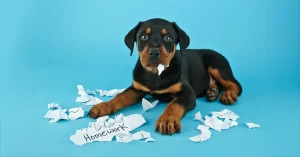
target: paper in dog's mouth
<point>161,68</point>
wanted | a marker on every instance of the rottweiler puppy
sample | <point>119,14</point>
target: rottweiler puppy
<point>187,74</point>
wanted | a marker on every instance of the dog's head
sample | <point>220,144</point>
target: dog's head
<point>156,41</point>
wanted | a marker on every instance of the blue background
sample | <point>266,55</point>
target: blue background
<point>48,47</point>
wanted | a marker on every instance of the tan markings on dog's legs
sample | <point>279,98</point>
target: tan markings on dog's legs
<point>126,98</point>
<point>230,95</point>
<point>169,121</point>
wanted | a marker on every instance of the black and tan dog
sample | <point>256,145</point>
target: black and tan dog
<point>188,73</point>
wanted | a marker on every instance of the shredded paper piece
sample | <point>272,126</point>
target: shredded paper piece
<point>75,113</point>
<point>215,123</point>
<point>205,134</point>
<point>56,113</point>
<point>54,106</point>
<point>161,68</point>
<point>252,125</point>
<point>110,93</point>
<point>84,96</point>
<point>126,138</point>
<point>150,139</point>
<point>105,129</point>
<point>198,116</point>
<point>225,113</point>
<point>147,105</point>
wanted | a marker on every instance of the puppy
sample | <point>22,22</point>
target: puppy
<point>187,74</point>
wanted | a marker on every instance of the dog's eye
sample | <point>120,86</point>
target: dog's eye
<point>144,37</point>
<point>167,38</point>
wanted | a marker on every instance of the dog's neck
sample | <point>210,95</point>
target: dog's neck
<point>152,80</point>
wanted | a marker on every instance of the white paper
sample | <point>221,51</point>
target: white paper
<point>110,93</point>
<point>225,113</point>
<point>147,105</point>
<point>150,139</point>
<point>252,125</point>
<point>93,101</point>
<point>75,113</point>
<point>205,134</point>
<point>198,116</point>
<point>217,124</point>
<point>84,96</point>
<point>161,68</point>
<point>54,106</point>
<point>56,113</point>
<point>105,132</point>
<point>89,92</point>
<point>126,138</point>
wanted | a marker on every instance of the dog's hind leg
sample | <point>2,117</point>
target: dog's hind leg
<point>220,70</point>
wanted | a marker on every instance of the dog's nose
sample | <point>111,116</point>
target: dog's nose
<point>154,53</point>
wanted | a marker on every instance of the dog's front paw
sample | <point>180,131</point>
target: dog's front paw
<point>228,97</point>
<point>168,124</point>
<point>101,109</point>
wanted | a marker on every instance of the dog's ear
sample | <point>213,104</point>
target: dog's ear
<point>130,38</point>
<point>182,38</point>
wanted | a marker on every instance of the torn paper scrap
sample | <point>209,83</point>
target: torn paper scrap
<point>252,125</point>
<point>141,135</point>
<point>121,125</point>
<point>56,114</point>
<point>198,116</point>
<point>89,92</point>
<point>75,113</point>
<point>225,113</point>
<point>110,93</point>
<point>217,124</point>
<point>205,134</point>
<point>54,106</point>
<point>147,105</point>
<point>93,101</point>
<point>150,139</point>
<point>84,97</point>
<point>161,68</point>
<point>126,138</point>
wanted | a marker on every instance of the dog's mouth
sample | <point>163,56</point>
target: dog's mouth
<point>153,65</point>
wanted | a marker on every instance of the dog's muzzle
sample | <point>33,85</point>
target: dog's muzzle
<point>154,54</point>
